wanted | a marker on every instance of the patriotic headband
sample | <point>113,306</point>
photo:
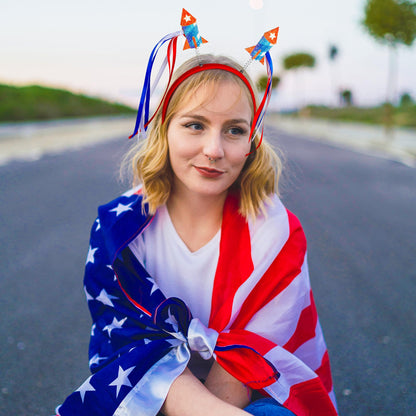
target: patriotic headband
<point>193,40</point>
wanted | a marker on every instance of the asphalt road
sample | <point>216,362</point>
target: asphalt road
<point>359,216</point>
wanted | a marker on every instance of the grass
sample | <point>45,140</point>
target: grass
<point>401,116</point>
<point>36,102</point>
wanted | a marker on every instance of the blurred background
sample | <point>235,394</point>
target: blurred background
<point>342,112</point>
<point>101,48</point>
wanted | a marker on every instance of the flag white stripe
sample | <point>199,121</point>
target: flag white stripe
<point>278,320</point>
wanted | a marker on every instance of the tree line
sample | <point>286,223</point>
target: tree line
<point>390,22</point>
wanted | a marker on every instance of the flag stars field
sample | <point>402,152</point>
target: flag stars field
<point>116,324</point>
<point>122,379</point>
<point>90,255</point>
<point>105,298</point>
<point>96,360</point>
<point>120,208</point>
<point>85,387</point>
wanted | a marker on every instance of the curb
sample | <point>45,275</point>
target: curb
<point>30,141</point>
<point>399,145</point>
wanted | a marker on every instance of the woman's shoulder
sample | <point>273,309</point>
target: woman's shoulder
<point>128,201</point>
<point>275,227</point>
<point>123,213</point>
<point>275,212</point>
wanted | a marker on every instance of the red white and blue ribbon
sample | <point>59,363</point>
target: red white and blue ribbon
<point>142,120</point>
<point>258,125</point>
<point>193,41</point>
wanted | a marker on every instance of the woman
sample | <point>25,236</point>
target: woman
<point>202,259</point>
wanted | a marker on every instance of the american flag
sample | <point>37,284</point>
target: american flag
<point>263,312</point>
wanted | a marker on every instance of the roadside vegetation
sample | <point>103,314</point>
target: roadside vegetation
<point>401,116</point>
<point>389,22</point>
<point>36,102</point>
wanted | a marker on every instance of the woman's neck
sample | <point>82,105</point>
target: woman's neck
<point>196,219</point>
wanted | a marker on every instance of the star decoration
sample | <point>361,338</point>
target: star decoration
<point>90,255</point>
<point>172,321</point>
<point>122,379</point>
<point>111,268</point>
<point>105,298</point>
<point>114,325</point>
<point>96,360</point>
<point>88,296</point>
<point>120,208</point>
<point>86,386</point>
<point>187,18</point>
<point>154,287</point>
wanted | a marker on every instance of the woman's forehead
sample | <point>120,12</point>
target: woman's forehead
<point>222,95</point>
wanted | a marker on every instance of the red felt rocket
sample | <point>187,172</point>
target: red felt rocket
<point>265,43</point>
<point>191,31</point>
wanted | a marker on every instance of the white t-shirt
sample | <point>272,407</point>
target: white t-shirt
<point>176,270</point>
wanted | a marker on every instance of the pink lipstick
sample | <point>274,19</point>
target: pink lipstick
<point>208,172</point>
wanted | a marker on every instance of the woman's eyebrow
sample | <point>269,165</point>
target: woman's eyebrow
<point>206,120</point>
<point>238,121</point>
<point>195,117</point>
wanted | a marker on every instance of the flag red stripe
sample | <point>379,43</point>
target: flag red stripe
<point>286,266</point>
<point>310,398</point>
<point>234,264</point>
<point>324,372</point>
<point>305,329</point>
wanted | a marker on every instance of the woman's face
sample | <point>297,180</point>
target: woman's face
<point>208,139</point>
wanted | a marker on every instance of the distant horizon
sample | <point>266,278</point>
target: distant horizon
<point>155,101</point>
<point>100,49</point>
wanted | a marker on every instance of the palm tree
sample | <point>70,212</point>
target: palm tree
<point>298,61</point>
<point>346,97</point>
<point>262,82</point>
<point>333,54</point>
<point>391,22</point>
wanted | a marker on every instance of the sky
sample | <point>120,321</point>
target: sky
<point>101,47</point>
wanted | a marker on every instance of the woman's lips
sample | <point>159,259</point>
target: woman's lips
<point>209,172</point>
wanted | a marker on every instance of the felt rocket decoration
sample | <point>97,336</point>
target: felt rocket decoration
<point>191,31</point>
<point>265,43</point>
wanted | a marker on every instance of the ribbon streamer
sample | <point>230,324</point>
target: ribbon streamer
<point>142,119</point>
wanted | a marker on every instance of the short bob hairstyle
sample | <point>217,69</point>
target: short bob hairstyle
<point>149,158</point>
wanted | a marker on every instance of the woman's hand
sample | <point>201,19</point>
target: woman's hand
<point>187,396</point>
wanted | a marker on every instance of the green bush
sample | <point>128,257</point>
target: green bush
<point>403,116</point>
<point>42,103</point>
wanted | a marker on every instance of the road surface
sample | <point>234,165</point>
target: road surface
<point>358,213</point>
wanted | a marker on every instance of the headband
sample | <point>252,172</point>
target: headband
<point>193,40</point>
<point>201,68</point>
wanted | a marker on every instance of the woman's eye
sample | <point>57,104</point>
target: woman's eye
<point>194,126</point>
<point>237,131</point>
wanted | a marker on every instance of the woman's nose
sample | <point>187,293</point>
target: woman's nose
<point>213,146</point>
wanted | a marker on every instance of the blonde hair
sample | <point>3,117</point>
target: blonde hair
<point>149,159</point>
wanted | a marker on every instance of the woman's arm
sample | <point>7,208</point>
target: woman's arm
<point>226,387</point>
<point>189,397</point>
